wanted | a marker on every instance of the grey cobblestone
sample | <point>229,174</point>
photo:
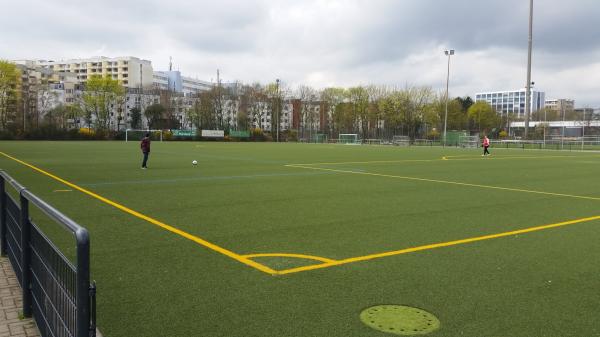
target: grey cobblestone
<point>10,305</point>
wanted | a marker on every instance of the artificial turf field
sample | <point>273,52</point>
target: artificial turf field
<point>264,239</point>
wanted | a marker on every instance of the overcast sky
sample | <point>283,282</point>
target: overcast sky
<point>326,42</point>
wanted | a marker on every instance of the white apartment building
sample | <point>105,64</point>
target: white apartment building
<point>131,71</point>
<point>561,104</point>
<point>512,101</point>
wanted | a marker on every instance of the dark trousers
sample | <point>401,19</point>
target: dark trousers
<point>145,159</point>
<point>485,150</point>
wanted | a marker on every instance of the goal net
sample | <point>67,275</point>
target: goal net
<point>401,140</point>
<point>468,141</point>
<point>373,141</point>
<point>348,138</point>
<point>138,134</point>
<point>319,138</point>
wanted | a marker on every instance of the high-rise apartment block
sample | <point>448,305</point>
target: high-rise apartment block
<point>132,72</point>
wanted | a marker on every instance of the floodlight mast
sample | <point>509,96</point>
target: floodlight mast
<point>448,53</point>
<point>278,102</point>
<point>528,90</point>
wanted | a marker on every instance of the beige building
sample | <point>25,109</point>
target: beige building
<point>132,72</point>
<point>561,104</point>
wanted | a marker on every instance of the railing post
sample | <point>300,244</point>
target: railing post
<point>2,215</point>
<point>26,254</point>
<point>83,284</point>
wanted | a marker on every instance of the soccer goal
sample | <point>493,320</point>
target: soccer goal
<point>138,134</point>
<point>468,141</point>
<point>319,138</point>
<point>348,138</point>
<point>373,141</point>
<point>401,140</point>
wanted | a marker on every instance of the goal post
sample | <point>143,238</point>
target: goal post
<point>138,134</point>
<point>373,141</point>
<point>468,141</point>
<point>401,140</point>
<point>348,138</point>
<point>319,138</point>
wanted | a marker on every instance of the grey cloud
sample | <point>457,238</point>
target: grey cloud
<point>333,41</point>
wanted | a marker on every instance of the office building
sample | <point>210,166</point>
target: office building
<point>512,101</point>
<point>173,80</point>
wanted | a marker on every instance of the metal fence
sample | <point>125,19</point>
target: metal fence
<point>56,292</point>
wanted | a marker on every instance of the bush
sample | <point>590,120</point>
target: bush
<point>433,134</point>
<point>257,134</point>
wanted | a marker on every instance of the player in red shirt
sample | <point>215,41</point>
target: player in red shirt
<point>145,146</point>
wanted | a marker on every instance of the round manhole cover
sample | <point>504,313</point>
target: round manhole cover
<point>400,320</point>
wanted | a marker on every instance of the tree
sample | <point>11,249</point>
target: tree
<point>374,115</point>
<point>207,113</point>
<point>10,81</point>
<point>457,115</point>
<point>483,115</point>
<point>242,120</point>
<point>136,118</point>
<point>253,102</point>
<point>193,113</point>
<point>101,96</point>
<point>359,98</point>
<point>308,115</point>
<point>275,92</point>
<point>465,102</point>
<point>47,99</point>
<point>333,97</point>
<point>154,113</point>
<point>72,114</point>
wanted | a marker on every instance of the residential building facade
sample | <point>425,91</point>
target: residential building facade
<point>131,71</point>
<point>561,105</point>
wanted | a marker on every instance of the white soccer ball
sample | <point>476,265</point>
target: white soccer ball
<point>194,162</point>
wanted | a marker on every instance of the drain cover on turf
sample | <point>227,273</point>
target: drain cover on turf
<point>400,320</point>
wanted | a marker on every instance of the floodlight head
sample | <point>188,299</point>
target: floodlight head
<point>449,52</point>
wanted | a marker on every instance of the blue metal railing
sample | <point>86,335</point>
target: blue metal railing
<point>56,292</point>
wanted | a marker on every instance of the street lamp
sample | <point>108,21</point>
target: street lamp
<point>278,103</point>
<point>448,53</point>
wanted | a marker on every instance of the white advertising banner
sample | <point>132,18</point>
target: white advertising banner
<point>213,133</point>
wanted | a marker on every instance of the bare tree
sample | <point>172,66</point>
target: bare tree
<point>309,115</point>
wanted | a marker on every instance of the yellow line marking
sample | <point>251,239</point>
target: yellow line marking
<point>160,224</point>
<point>63,191</point>
<point>447,182</point>
<point>452,158</point>
<point>298,256</point>
<point>437,245</point>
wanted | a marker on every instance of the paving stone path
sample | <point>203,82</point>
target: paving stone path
<point>10,305</point>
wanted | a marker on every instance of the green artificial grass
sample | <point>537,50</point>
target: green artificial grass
<point>334,202</point>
